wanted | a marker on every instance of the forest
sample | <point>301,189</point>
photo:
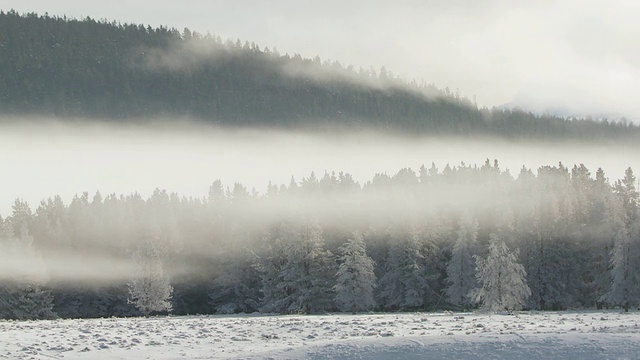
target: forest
<point>86,69</point>
<point>460,237</point>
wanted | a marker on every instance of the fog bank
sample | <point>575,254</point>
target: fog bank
<point>45,158</point>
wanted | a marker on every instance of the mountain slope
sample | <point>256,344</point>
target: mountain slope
<point>63,67</point>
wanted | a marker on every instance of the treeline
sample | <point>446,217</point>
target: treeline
<point>62,67</point>
<point>458,238</point>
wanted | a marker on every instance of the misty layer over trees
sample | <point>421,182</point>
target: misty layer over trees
<point>95,69</point>
<point>460,237</point>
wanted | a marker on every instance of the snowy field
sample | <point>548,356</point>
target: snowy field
<point>567,335</point>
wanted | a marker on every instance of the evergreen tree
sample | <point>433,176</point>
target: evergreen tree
<point>297,272</point>
<point>22,292</point>
<point>625,256</point>
<point>404,285</point>
<point>503,284</point>
<point>149,289</point>
<point>271,264</point>
<point>550,255</point>
<point>355,278</point>
<point>602,221</point>
<point>236,290</point>
<point>461,278</point>
<point>308,273</point>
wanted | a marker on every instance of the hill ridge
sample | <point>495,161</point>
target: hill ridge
<point>60,67</point>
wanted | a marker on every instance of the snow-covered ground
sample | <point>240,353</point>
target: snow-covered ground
<point>577,335</point>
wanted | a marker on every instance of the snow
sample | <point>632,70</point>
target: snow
<point>578,335</point>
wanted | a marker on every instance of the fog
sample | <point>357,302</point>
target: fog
<point>229,247</point>
<point>70,267</point>
<point>198,52</point>
<point>44,158</point>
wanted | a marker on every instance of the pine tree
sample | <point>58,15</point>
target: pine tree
<point>549,253</point>
<point>600,228</point>
<point>461,278</point>
<point>270,264</point>
<point>22,293</point>
<point>625,287</point>
<point>296,271</point>
<point>625,255</point>
<point>308,273</point>
<point>149,289</point>
<point>355,278</point>
<point>235,290</point>
<point>502,279</point>
<point>405,283</point>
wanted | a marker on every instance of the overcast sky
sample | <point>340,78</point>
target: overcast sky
<point>581,57</point>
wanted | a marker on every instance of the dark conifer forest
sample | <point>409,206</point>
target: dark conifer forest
<point>59,67</point>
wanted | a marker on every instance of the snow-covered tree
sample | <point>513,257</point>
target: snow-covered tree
<point>271,262</point>
<point>235,290</point>
<point>598,234</point>
<point>355,278</point>
<point>502,279</point>
<point>625,261</point>
<point>547,242</point>
<point>162,220</point>
<point>149,289</point>
<point>405,283</point>
<point>308,273</point>
<point>625,256</point>
<point>236,287</point>
<point>22,292</point>
<point>296,271</point>
<point>461,274</point>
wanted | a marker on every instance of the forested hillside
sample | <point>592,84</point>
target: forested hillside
<point>455,238</point>
<point>59,67</point>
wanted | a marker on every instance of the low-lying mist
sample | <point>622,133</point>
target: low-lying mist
<point>42,158</point>
<point>176,215</point>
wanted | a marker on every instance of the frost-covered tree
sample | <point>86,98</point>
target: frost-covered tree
<point>548,248</point>
<point>405,283</point>
<point>235,290</point>
<point>297,272</point>
<point>162,220</point>
<point>236,282</point>
<point>598,232</point>
<point>308,273</point>
<point>236,287</point>
<point>461,274</point>
<point>270,264</point>
<point>625,256</point>
<point>625,262</point>
<point>50,223</point>
<point>626,190</point>
<point>22,289</point>
<point>502,279</point>
<point>355,278</point>
<point>149,289</point>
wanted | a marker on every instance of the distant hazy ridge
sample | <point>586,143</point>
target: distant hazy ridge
<point>61,67</point>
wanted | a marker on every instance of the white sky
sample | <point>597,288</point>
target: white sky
<point>578,57</point>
